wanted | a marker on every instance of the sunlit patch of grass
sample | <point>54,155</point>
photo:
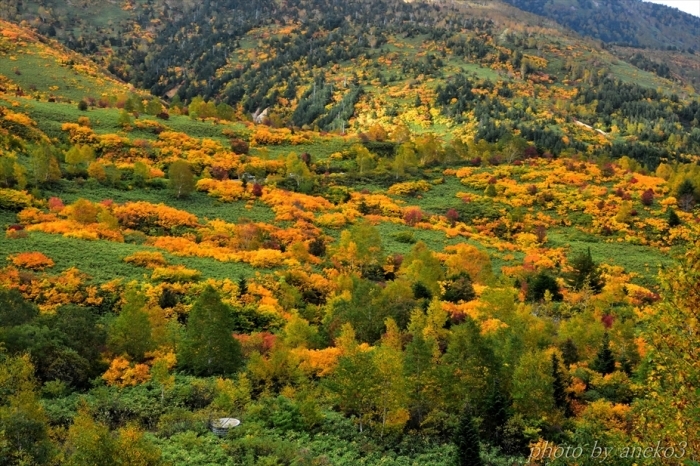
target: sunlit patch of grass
<point>641,260</point>
<point>104,260</point>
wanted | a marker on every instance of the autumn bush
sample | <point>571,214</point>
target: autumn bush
<point>412,216</point>
<point>175,274</point>
<point>239,146</point>
<point>31,261</point>
<point>263,258</point>
<point>14,200</point>
<point>79,134</point>
<point>55,204</point>
<point>149,259</point>
<point>409,188</point>
<point>84,212</point>
<point>264,136</point>
<point>452,216</point>
<point>143,216</point>
<point>34,215</point>
<point>124,373</point>
<point>224,190</point>
<point>12,233</point>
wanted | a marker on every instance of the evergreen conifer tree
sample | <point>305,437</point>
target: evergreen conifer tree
<point>673,218</point>
<point>208,347</point>
<point>559,387</point>
<point>540,284</point>
<point>242,286</point>
<point>459,288</point>
<point>605,360</point>
<point>496,415</point>
<point>686,195</point>
<point>569,352</point>
<point>586,273</point>
<point>467,441</point>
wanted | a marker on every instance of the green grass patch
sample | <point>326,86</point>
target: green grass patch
<point>440,198</point>
<point>103,260</point>
<point>50,116</point>
<point>199,204</point>
<point>642,260</point>
<point>40,71</point>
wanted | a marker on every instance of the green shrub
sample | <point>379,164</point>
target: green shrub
<point>405,237</point>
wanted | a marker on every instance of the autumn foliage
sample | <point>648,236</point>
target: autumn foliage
<point>31,261</point>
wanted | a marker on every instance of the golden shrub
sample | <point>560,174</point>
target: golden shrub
<point>144,215</point>
<point>31,260</point>
<point>149,259</point>
<point>175,274</point>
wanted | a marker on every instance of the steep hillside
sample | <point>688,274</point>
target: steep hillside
<point>624,22</point>
<point>42,68</point>
<point>677,65</point>
<point>412,273</point>
<point>454,234</point>
<point>461,70</point>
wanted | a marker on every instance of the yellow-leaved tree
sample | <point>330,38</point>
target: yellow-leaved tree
<point>669,410</point>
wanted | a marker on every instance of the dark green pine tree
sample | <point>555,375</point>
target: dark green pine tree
<point>242,286</point>
<point>605,360</point>
<point>467,441</point>
<point>673,219</point>
<point>496,415</point>
<point>569,352</point>
<point>540,284</point>
<point>363,208</point>
<point>686,196</point>
<point>208,347</point>
<point>559,387</point>
<point>586,272</point>
<point>626,364</point>
<point>686,188</point>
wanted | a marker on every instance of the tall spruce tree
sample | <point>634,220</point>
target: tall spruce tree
<point>208,347</point>
<point>569,352</point>
<point>467,440</point>
<point>496,415</point>
<point>605,360</point>
<point>559,387</point>
<point>585,273</point>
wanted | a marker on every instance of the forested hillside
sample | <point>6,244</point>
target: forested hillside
<point>633,23</point>
<point>458,68</point>
<point>377,233</point>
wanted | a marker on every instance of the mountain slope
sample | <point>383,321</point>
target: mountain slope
<point>464,70</point>
<point>624,22</point>
<point>35,65</point>
<point>426,220</point>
